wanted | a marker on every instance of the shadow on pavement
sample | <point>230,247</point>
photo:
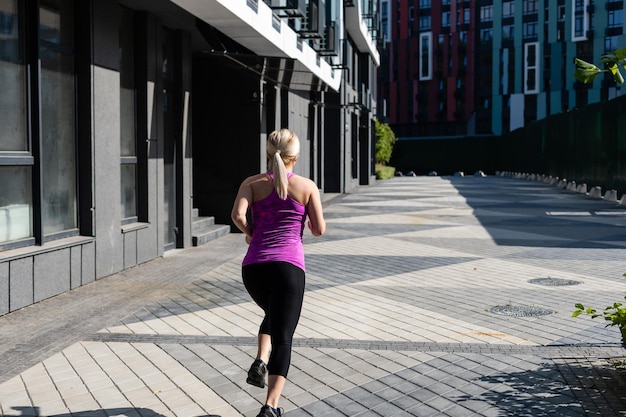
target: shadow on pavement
<point>125,411</point>
<point>571,388</point>
<point>566,219</point>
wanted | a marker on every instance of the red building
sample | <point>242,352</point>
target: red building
<point>431,73</point>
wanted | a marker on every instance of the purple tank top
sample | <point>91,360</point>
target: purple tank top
<point>277,227</point>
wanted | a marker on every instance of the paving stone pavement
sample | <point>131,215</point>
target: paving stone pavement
<point>428,296</point>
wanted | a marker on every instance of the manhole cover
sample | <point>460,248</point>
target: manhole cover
<point>521,311</point>
<point>554,282</point>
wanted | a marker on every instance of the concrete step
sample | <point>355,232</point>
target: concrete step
<point>209,233</point>
<point>200,223</point>
<point>204,229</point>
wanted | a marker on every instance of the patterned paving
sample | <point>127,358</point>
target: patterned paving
<point>398,317</point>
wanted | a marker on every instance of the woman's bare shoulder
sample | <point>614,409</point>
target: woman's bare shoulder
<point>254,179</point>
<point>303,181</point>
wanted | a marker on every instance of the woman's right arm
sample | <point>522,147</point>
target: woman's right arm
<point>317,224</point>
<point>242,203</point>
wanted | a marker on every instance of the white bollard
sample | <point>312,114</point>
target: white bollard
<point>610,195</point>
<point>595,192</point>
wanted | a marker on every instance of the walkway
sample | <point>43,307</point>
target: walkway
<point>427,296</point>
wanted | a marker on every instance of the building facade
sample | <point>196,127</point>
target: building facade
<point>128,125</point>
<point>454,68</point>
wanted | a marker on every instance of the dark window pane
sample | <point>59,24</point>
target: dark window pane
<point>13,136</point>
<point>128,132</point>
<point>129,190</point>
<point>127,84</point>
<point>56,22</point>
<point>59,205</point>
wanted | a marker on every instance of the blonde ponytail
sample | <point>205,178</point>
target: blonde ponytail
<point>280,176</point>
<point>282,145</point>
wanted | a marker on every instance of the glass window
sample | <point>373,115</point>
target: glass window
<point>580,20</point>
<point>425,56</point>
<point>15,203</point>
<point>530,30</point>
<point>611,43</point>
<point>424,22</point>
<point>445,19</point>
<point>508,8</point>
<point>508,31</point>
<point>579,27</point>
<point>128,135</point>
<point>16,207</point>
<point>531,70</point>
<point>58,117</point>
<point>530,6</point>
<point>58,141</point>
<point>616,18</point>
<point>424,4</point>
<point>13,133</point>
<point>485,35</point>
<point>486,13</point>
<point>56,212</point>
<point>129,192</point>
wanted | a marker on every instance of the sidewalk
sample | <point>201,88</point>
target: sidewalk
<point>447,296</point>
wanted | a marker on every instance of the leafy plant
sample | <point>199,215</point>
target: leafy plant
<point>385,139</point>
<point>586,72</point>
<point>615,313</point>
<point>384,172</point>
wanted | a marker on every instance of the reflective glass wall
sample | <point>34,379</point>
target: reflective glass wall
<point>38,197</point>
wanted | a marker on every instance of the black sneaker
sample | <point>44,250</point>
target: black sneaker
<point>256,374</point>
<point>268,411</point>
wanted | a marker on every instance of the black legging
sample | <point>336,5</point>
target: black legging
<point>278,288</point>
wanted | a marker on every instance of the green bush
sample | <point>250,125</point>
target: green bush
<point>385,139</point>
<point>384,172</point>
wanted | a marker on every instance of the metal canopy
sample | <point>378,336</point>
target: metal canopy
<point>283,72</point>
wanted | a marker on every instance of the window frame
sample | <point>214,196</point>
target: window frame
<point>580,17</point>
<point>131,159</point>
<point>426,55</point>
<point>24,157</point>
<point>532,66</point>
<point>32,46</point>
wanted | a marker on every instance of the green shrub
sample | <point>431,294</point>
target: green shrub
<point>615,314</point>
<point>384,172</point>
<point>385,139</point>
